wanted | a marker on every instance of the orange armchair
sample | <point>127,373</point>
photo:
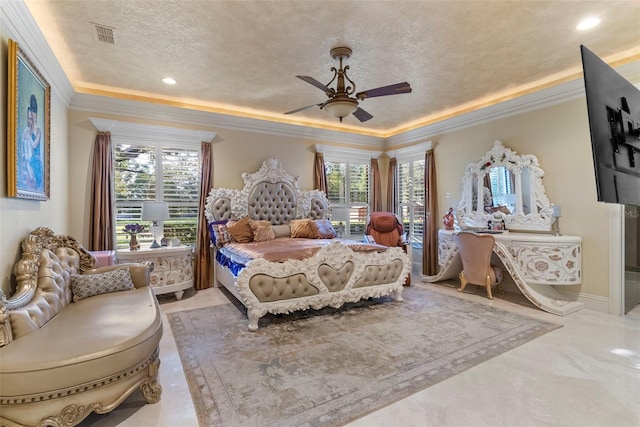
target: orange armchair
<point>475,252</point>
<point>386,230</point>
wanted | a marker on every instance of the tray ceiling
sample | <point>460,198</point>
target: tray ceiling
<point>241,57</point>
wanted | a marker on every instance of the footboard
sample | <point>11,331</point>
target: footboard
<point>335,275</point>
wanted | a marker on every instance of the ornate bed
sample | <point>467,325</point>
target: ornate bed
<point>331,273</point>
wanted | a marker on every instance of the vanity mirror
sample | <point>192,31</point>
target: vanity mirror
<point>511,190</point>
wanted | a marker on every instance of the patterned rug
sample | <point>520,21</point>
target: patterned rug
<point>328,367</point>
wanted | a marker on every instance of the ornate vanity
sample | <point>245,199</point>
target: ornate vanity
<point>503,194</point>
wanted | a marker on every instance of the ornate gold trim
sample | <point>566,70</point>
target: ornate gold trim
<point>152,362</point>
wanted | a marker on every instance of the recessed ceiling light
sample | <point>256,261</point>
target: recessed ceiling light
<point>169,81</point>
<point>588,23</point>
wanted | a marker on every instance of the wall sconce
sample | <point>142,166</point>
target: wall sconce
<point>155,211</point>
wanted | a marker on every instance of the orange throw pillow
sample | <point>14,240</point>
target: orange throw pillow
<point>241,231</point>
<point>304,228</point>
<point>262,230</point>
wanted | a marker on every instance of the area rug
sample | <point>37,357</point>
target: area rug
<point>328,367</point>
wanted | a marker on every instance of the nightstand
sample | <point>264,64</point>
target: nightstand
<point>172,267</point>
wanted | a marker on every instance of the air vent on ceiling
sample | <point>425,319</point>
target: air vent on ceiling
<point>104,33</point>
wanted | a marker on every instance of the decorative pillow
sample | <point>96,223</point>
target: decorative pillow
<point>88,285</point>
<point>305,228</point>
<point>241,230</point>
<point>282,230</point>
<point>325,229</point>
<point>219,234</point>
<point>262,230</point>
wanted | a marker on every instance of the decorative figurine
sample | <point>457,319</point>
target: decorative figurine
<point>448,220</point>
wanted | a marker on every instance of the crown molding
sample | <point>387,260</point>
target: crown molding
<point>543,98</point>
<point>23,28</point>
<point>146,110</point>
<point>21,25</point>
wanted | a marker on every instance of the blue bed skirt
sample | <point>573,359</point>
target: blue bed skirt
<point>226,261</point>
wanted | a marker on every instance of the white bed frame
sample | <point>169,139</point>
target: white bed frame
<point>332,277</point>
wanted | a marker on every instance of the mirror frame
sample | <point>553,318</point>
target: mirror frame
<point>539,219</point>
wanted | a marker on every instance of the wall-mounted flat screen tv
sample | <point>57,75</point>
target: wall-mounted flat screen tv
<point>613,104</point>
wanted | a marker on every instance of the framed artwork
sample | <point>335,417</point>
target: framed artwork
<point>28,123</point>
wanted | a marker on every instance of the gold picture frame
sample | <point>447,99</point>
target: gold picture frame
<point>28,128</point>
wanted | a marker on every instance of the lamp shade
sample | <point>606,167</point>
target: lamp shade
<point>155,211</point>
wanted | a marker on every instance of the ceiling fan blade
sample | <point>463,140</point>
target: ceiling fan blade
<point>395,89</point>
<point>304,108</point>
<point>362,115</point>
<point>315,83</point>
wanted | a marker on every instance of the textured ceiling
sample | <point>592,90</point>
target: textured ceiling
<point>241,57</point>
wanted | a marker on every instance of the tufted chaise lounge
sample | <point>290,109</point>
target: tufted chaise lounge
<point>61,360</point>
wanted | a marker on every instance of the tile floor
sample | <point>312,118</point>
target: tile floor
<point>586,373</point>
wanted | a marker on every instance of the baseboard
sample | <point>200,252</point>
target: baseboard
<point>591,302</point>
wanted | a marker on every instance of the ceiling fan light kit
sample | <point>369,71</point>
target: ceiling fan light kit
<point>340,108</point>
<point>340,103</point>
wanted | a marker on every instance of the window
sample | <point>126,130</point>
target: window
<point>348,187</point>
<point>348,193</point>
<point>152,172</point>
<point>156,163</point>
<point>411,198</point>
<point>410,180</point>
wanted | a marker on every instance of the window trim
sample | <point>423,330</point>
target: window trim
<point>125,133</point>
<point>410,155</point>
<point>349,156</point>
<point>332,152</point>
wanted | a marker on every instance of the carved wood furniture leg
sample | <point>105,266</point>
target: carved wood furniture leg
<point>151,390</point>
<point>254,316</point>
<point>397,295</point>
<point>489,295</point>
<point>463,282</point>
<point>178,295</point>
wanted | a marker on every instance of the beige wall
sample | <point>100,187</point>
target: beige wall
<point>559,137</point>
<point>19,216</point>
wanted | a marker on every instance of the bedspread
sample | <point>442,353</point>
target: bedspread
<point>286,248</point>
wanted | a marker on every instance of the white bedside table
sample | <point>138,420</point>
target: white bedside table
<point>172,267</point>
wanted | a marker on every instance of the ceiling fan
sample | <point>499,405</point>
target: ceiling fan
<point>340,103</point>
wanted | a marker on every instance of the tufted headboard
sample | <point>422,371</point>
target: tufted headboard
<point>269,194</point>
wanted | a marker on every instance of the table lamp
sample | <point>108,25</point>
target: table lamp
<point>155,211</point>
